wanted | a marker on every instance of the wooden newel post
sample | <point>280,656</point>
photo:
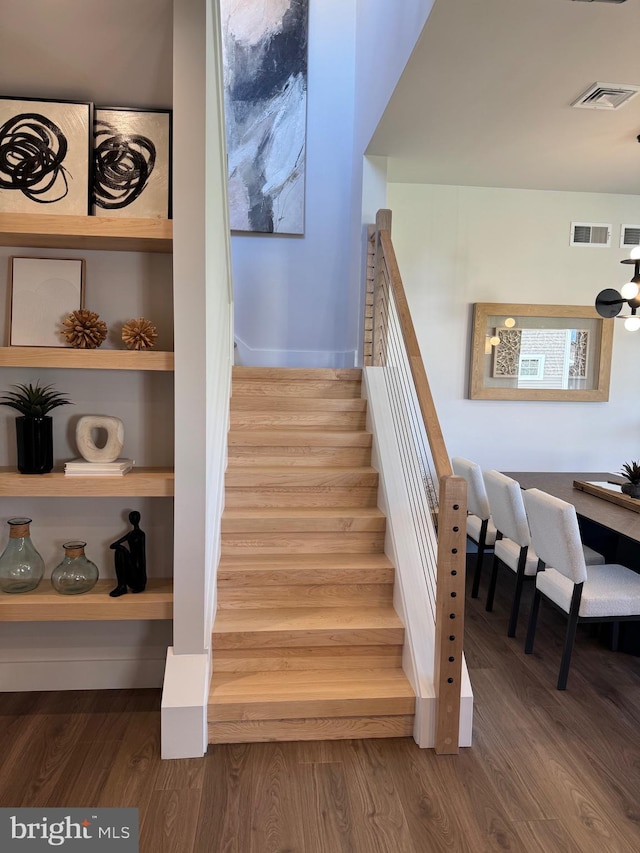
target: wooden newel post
<point>452,541</point>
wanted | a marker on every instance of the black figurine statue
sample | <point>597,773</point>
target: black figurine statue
<point>130,559</point>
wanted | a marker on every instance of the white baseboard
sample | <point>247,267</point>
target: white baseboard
<point>248,356</point>
<point>17,676</point>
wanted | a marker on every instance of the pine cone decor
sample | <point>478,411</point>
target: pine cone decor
<point>139,334</point>
<point>83,329</point>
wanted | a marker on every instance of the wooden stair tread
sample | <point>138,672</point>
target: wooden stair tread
<point>258,687</point>
<point>268,374</point>
<point>308,618</point>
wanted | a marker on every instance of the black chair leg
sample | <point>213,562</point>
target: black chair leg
<point>482,541</point>
<point>492,584</point>
<point>570,636</point>
<point>615,636</point>
<point>515,607</point>
<point>533,619</point>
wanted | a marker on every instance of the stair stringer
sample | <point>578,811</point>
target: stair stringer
<point>412,597</point>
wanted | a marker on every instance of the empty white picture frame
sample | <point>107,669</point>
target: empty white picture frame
<point>43,291</point>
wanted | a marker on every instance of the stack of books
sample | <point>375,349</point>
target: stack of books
<point>82,468</point>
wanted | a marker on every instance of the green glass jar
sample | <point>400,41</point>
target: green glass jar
<point>21,566</point>
<point>75,574</point>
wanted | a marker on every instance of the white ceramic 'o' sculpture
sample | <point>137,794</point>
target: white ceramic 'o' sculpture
<point>87,447</point>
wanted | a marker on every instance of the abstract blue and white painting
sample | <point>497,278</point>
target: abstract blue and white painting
<point>265,82</point>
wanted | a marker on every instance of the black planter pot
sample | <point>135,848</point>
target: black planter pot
<point>35,445</point>
<point>631,489</point>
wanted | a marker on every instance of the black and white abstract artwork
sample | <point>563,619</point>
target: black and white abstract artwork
<point>265,82</point>
<point>44,156</point>
<point>132,163</point>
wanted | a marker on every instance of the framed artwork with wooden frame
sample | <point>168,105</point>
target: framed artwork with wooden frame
<point>42,292</point>
<point>540,352</point>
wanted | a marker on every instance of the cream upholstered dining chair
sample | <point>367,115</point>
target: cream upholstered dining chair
<point>512,547</point>
<point>480,528</point>
<point>605,593</point>
<point>513,541</point>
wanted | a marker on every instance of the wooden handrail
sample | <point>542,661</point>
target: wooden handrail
<point>450,570</point>
<point>441,459</point>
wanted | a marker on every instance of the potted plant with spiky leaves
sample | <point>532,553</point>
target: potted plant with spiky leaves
<point>631,472</point>
<point>34,427</point>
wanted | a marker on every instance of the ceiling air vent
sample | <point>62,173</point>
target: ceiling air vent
<point>604,1</point>
<point>629,236</point>
<point>590,234</point>
<point>606,96</point>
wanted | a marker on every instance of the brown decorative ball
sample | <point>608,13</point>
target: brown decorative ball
<point>84,329</point>
<point>139,334</point>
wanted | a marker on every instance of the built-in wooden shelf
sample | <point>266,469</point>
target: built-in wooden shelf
<point>53,231</point>
<point>140,482</point>
<point>44,604</point>
<point>92,359</point>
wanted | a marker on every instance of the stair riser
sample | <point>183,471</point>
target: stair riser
<point>349,457</point>
<point>327,389</point>
<point>257,731</point>
<point>324,479</point>
<point>304,709</point>
<point>256,525</point>
<point>290,438</point>
<point>289,374</point>
<point>307,658</point>
<point>295,404</point>
<point>311,637</point>
<point>239,578</point>
<point>247,498</point>
<point>310,543</point>
<point>298,420</point>
<point>319,595</point>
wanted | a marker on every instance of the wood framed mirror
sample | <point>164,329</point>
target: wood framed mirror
<point>539,352</point>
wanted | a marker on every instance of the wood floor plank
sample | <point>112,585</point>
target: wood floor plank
<point>171,820</point>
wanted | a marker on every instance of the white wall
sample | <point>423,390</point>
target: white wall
<point>291,293</point>
<point>460,245</point>
<point>386,35</point>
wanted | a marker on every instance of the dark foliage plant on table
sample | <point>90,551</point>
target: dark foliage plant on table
<point>631,472</point>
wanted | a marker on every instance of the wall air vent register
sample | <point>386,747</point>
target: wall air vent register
<point>590,234</point>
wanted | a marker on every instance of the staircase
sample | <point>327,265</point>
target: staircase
<point>306,643</point>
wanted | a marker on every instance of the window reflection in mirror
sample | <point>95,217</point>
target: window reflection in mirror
<point>540,352</point>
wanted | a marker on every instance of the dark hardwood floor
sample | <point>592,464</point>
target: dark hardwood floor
<point>549,771</point>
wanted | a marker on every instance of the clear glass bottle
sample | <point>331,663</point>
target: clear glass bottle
<point>21,566</point>
<point>75,574</point>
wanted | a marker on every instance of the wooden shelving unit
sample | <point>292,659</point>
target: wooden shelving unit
<point>51,231</point>
<point>95,359</point>
<point>44,604</point>
<point>47,231</point>
<point>140,482</point>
